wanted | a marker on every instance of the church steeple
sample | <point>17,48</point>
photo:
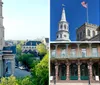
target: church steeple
<point>63,30</point>
<point>63,17</point>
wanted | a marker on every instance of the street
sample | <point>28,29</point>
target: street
<point>21,73</point>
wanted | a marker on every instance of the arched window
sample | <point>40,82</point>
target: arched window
<point>64,35</point>
<point>52,69</point>
<point>84,71</point>
<point>57,36</point>
<point>64,26</point>
<point>53,53</point>
<point>83,50</point>
<point>63,53</point>
<point>78,36</point>
<point>63,71</point>
<point>73,52</point>
<point>88,32</point>
<point>93,33</point>
<point>73,71</point>
<point>61,26</point>
<point>60,35</point>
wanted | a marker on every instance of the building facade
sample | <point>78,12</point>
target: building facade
<point>75,61</point>
<point>7,56</point>
<point>30,45</point>
<point>88,32</point>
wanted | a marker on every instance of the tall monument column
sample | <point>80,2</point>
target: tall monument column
<point>1,27</point>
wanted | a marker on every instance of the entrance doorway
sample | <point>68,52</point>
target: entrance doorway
<point>73,71</point>
<point>62,71</point>
<point>84,71</point>
<point>95,70</point>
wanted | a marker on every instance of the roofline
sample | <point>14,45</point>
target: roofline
<point>85,24</point>
<point>74,42</point>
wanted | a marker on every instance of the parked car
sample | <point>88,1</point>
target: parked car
<point>22,67</point>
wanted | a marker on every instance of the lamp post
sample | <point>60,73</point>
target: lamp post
<point>89,75</point>
<point>55,77</point>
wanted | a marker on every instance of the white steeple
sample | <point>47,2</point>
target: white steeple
<point>63,17</point>
<point>63,31</point>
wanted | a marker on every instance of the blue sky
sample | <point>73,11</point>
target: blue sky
<point>26,19</point>
<point>75,15</point>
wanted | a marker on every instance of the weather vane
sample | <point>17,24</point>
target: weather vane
<point>63,5</point>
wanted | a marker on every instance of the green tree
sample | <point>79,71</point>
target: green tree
<point>41,72</point>
<point>25,81</point>
<point>27,60</point>
<point>41,48</point>
<point>8,81</point>
<point>18,48</point>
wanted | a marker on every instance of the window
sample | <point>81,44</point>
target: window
<point>60,35</point>
<point>61,26</point>
<point>73,52</point>
<point>83,33</point>
<point>78,36</point>
<point>63,53</point>
<point>94,52</point>
<point>65,26</point>
<point>84,69</point>
<point>53,53</point>
<point>83,52</point>
<point>73,70</point>
<point>93,33</point>
<point>64,35</point>
<point>88,32</point>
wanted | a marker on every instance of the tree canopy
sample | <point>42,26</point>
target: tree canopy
<point>41,72</point>
<point>41,48</point>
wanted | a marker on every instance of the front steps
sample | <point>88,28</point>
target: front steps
<point>75,82</point>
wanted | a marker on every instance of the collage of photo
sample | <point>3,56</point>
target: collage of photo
<point>49,42</point>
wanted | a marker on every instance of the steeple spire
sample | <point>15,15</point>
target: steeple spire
<point>63,17</point>
<point>63,30</point>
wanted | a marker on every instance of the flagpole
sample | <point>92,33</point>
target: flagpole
<point>87,14</point>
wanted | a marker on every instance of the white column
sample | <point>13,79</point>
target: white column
<point>67,50</point>
<point>56,49</point>
<point>78,46</point>
<point>67,71</point>
<point>12,66</point>
<point>79,72</point>
<point>0,68</point>
<point>56,71</point>
<point>90,49</point>
<point>4,67</point>
<point>90,70</point>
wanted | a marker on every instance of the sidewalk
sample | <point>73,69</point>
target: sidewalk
<point>75,84</point>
